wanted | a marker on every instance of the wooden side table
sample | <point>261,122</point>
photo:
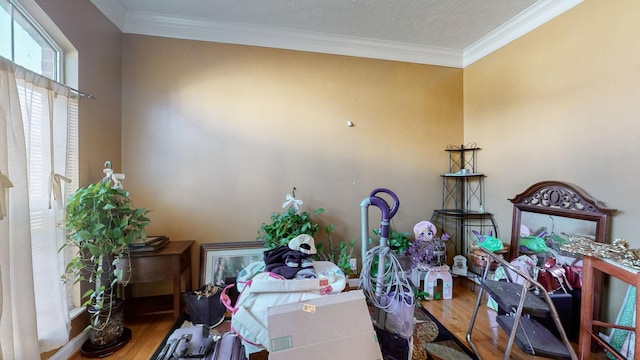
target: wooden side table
<point>589,327</point>
<point>165,264</point>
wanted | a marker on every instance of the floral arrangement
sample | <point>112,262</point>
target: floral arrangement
<point>427,249</point>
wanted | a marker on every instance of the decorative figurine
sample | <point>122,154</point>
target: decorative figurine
<point>459,265</point>
<point>428,253</point>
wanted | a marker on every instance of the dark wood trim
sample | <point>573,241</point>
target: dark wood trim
<point>558,198</point>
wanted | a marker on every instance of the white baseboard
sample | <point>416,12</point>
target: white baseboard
<point>70,348</point>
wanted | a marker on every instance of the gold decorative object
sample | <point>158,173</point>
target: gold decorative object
<point>618,251</point>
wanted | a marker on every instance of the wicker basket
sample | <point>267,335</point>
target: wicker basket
<point>479,259</point>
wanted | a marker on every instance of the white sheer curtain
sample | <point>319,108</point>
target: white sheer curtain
<point>34,114</point>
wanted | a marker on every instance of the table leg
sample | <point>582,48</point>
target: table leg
<point>188,270</point>
<point>177,294</point>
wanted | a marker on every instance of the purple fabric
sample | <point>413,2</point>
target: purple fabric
<point>276,261</point>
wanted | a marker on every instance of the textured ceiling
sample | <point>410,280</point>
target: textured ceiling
<point>444,28</point>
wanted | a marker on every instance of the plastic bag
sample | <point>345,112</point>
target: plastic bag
<point>534,243</point>
<point>490,243</point>
<point>400,319</point>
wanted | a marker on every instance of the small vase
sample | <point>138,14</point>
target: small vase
<point>405,262</point>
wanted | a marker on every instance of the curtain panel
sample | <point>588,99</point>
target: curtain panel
<point>34,150</point>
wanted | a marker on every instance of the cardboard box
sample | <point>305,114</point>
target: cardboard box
<point>330,327</point>
<point>361,347</point>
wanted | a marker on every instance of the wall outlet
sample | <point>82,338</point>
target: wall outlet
<point>353,262</point>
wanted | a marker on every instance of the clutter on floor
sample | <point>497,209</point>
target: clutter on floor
<point>336,324</point>
<point>194,342</point>
<point>289,287</point>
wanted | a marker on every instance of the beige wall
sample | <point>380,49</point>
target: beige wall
<point>561,103</point>
<point>215,135</point>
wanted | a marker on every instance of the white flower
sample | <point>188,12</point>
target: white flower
<point>290,200</point>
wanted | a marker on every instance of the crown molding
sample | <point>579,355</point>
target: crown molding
<point>113,10</point>
<point>528,20</point>
<point>184,28</point>
<point>143,23</point>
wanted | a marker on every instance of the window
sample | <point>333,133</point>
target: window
<point>27,44</point>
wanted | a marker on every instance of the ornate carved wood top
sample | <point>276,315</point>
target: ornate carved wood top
<point>558,198</point>
<point>559,195</point>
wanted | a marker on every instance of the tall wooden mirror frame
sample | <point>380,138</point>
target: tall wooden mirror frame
<point>556,198</point>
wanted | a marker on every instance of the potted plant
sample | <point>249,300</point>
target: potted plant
<point>286,226</point>
<point>339,254</point>
<point>397,241</point>
<point>204,305</point>
<point>293,222</point>
<point>101,222</point>
<point>428,249</point>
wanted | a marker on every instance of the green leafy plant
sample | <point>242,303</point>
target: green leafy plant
<point>424,295</point>
<point>101,222</point>
<point>397,241</point>
<point>286,226</point>
<point>339,254</point>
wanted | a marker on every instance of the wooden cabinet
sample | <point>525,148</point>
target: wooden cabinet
<point>169,263</point>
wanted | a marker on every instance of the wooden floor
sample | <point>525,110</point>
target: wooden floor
<point>454,314</point>
<point>487,336</point>
<point>146,335</point>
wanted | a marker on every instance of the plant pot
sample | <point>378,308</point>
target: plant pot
<point>405,262</point>
<point>110,324</point>
<point>208,311</point>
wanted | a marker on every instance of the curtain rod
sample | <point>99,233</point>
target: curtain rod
<point>82,94</point>
<point>79,93</point>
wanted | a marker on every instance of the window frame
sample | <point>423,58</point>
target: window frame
<point>59,51</point>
